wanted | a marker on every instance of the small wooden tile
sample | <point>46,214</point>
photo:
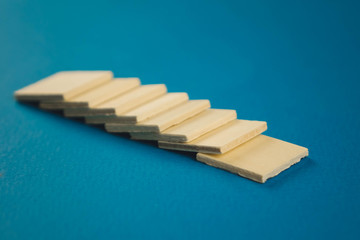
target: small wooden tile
<point>163,121</point>
<point>95,96</point>
<point>121,104</point>
<point>143,112</point>
<point>63,85</point>
<point>222,139</point>
<point>259,159</point>
<point>191,128</point>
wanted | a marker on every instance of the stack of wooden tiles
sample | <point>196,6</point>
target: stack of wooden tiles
<point>149,112</point>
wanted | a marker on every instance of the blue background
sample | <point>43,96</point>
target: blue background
<point>295,64</point>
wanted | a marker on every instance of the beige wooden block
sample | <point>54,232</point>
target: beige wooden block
<point>191,128</point>
<point>63,85</point>
<point>96,95</point>
<point>164,120</point>
<point>222,139</point>
<point>259,159</point>
<point>142,112</point>
<point>122,103</point>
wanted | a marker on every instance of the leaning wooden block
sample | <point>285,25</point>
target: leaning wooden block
<point>122,103</point>
<point>222,139</point>
<point>63,85</point>
<point>96,95</point>
<point>259,159</point>
<point>163,121</point>
<point>142,112</point>
<point>191,128</point>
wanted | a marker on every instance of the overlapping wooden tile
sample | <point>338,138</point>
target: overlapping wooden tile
<point>122,103</point>
<point>260,158</point>
<point>222,139</point>
<point>96,95</point>
<point>164,120</point>
<point>142,112</point>
<point>63,85</point>
<point>149,112</point>
<point>191,128</point>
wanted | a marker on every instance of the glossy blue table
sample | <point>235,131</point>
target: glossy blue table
<point>294,64</point>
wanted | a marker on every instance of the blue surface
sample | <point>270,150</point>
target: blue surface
<point>295,64</point>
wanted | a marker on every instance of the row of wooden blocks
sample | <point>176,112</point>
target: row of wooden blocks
<point>149,112</point>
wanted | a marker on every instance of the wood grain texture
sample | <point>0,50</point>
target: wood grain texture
<point>63,85</point>
<point>259,159</point>
<point>222,139</point>
<point>191,128</point>
<point>143,112</point>
<point>122,103</point>
<point>163,121</point>
<point>95,96</point>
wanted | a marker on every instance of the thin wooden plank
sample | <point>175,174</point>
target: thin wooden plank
<point>259,159</point>
<point>122,103</point>
<point>222,139</point>
<point>191,128</point>
<point>63,85</point>
<point>163,121</point>
<point>96,95</point>
<point>143,112</point>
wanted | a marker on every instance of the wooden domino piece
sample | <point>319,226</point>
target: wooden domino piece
<point>191,128</point>
<point>142,112</point>
<point>95,96</point>
<point>164,120</point>
<point>259,159</point>
<point>122,103</point>
<point>63,85</point>
<point>222,139</point>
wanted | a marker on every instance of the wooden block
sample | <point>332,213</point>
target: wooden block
<point>95,96</point>
<point>163,121</point>
<point>191,128</point>
<point>122,103</point>
<point>259,159</point>
<point>222,139</point>
<point>143,112</point>
<point>63,85</point>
